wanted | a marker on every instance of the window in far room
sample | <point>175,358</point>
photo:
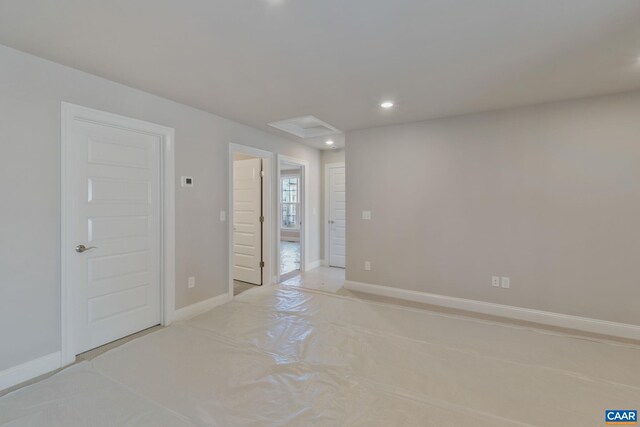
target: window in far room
<point>290,202</point>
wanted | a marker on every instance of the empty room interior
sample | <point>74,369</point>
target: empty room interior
<point>319,213</point>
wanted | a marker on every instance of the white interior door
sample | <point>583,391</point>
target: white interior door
<point>247,227</point>
<point>337,217</point>
<point>113,209</point>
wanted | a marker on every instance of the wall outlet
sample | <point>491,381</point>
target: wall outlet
<point>192,282</point>
<point>223,215</point>
<point>367,265</point>
<point>505,282</point>
<point>495,281</point>
<point>366,214</point>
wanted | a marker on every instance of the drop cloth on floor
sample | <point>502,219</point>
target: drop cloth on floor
<point>80,396</point>
<point>293,357</point>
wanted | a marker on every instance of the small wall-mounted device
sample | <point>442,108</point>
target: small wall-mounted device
<point>186,181</point>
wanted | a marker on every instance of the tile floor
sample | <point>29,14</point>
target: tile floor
<point>289,257</point>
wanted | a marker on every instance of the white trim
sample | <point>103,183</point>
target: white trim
<point>622,330</point>
<point>193,310</point>
<point>304,230</point>
<point>29,370</point>
<point>167,215</point>
<point>315,264</point>
<point>327,208</point>
<point>267,210</point>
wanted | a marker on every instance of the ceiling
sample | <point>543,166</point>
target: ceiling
<point>258,61</point>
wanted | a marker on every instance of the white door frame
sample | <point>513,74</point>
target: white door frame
<point>267,211</point>
<point>71,112</point>
<point>304,230</point>
<point>327,208</point>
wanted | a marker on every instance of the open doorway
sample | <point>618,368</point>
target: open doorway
<point>249,218</point>
<point>291,217</point>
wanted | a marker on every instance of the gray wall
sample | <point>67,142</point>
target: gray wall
<point>31,90</point>
<point>547,195</point>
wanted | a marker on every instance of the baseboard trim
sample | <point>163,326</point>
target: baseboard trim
<point>314,264</point>
<point>585,324</point>
<point>193,310</point>
<point>29,370</point>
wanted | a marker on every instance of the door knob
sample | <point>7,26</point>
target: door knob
<point>83,248</point>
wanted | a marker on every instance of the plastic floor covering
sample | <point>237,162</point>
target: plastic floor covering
<point>282,356</point>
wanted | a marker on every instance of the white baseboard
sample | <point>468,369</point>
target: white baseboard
<point>29,370</point>
<point>314,264</point>
<point>199,307</point>
<point>585,324</point>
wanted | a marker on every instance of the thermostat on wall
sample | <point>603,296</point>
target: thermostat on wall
<point>186,181</point>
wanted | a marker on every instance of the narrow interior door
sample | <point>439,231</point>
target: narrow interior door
<point>337,217</point>
<point>247,223</point>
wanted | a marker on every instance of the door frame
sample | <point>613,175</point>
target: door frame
<point>71,112</point>
<point>267,211</point>
<point>327,208</point>
<point>304,230</point>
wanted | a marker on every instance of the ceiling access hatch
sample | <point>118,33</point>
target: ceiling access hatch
<point>305,127</point>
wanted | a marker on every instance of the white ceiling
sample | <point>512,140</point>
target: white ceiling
<point>257,61</point>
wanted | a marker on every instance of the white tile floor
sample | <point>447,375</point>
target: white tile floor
<point>289,257</point>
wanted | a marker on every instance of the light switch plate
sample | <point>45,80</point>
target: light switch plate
<point>505,282</point>
<point>366,214</point>
<point>186,181</point>
<point>192,282</point>
<point>223,215</point>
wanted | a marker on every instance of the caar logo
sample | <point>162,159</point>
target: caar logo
<point>620,417</point>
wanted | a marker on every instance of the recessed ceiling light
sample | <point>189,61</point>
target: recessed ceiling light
<point>329,142</point>
<point>387,104</point>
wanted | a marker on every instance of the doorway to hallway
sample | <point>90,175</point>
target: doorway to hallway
<point>291,217</point>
